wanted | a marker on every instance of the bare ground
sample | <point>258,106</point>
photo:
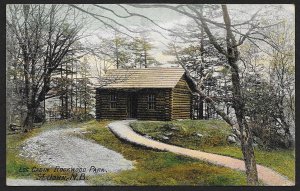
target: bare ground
<point>60,147</point>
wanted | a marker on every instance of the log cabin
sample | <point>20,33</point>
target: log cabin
<point>146,94</point>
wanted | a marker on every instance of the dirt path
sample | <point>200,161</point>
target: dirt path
<point>61,148</point>
<point>30,182</point>
<point>267,175</point>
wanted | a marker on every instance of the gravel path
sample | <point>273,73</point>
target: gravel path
<point>267,175</point>
<point>29,182</point>
<point>61,148</point>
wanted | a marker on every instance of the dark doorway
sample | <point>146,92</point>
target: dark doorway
<point>131,105</point>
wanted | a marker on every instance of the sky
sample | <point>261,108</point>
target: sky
<point>165,18</point>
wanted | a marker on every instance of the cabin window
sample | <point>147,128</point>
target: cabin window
<point>113,100</point>
<point>151,101</point>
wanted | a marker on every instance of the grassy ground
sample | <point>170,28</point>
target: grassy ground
<point>213,139</point>
<point>156,167</point>
<point>151,167</point>
<point>15,164</point>
<point>13,161</point>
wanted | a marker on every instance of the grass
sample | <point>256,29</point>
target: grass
<point>213,140</point>
<point>214,132</point>
<point>282,161</point>
<point>156,167</point>
<point>14,163</point>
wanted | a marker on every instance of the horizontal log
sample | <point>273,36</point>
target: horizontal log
<point>181,104</point>
<point>181,101</point>
<point>181,109</point>
<point>181,95</point>
<point>181,113</point>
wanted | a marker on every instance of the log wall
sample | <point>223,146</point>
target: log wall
<point>161,112</point>
<point>170,103</point>
<point>103,110</point>
<point>162,109</point>
<point>181,100</point>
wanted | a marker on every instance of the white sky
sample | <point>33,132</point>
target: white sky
<point>167,19</point>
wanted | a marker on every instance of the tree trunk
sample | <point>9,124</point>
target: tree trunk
<point>72,84</point>
<point>67,93</point>
<point>246,134</point>
<point>239,103</point>
<point>250,163</point>
<point>76,89</point>
<point>145,58</point>
<point>29,120</point>
<point>85,93</point>
<point>200,107</point>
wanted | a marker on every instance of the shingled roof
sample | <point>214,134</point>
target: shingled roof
<point>142,78</point>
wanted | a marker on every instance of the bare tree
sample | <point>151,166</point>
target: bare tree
<point>282,79</point>
<point>230,49</point>
<point>226,37</point>
<point>45,34</point>
<point>14,75</point>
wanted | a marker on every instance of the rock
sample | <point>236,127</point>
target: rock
<point>168,133</point>
<point>231,139</point>
<point>257,140</point>
<point>14,127</point>
<point>281,132</point>
<point>236,132</point>
<point>175,128</point>
<point>148,136</point>
<point>171,126</point>
<point>234,135</point>
<point>199,135</point>
<point>165,138</point>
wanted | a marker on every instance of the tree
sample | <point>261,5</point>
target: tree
<point>119,47</point>
<point>231,52</point>
<point>84,89</point>
<point>66,84</point>
<point>282,73</point>
<point>45,34</point>
<point>116,49</point>
<point>205,65</point>
<point>140,48</point>
<point>14,82</point>
<point>273,94</point>
<point>226,34</point>
<point>230,49</point>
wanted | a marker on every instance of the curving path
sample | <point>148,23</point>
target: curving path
<point>60,147</point>
<point>267,175</point>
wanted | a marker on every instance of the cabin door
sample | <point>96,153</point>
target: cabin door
<point>132,105</point>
